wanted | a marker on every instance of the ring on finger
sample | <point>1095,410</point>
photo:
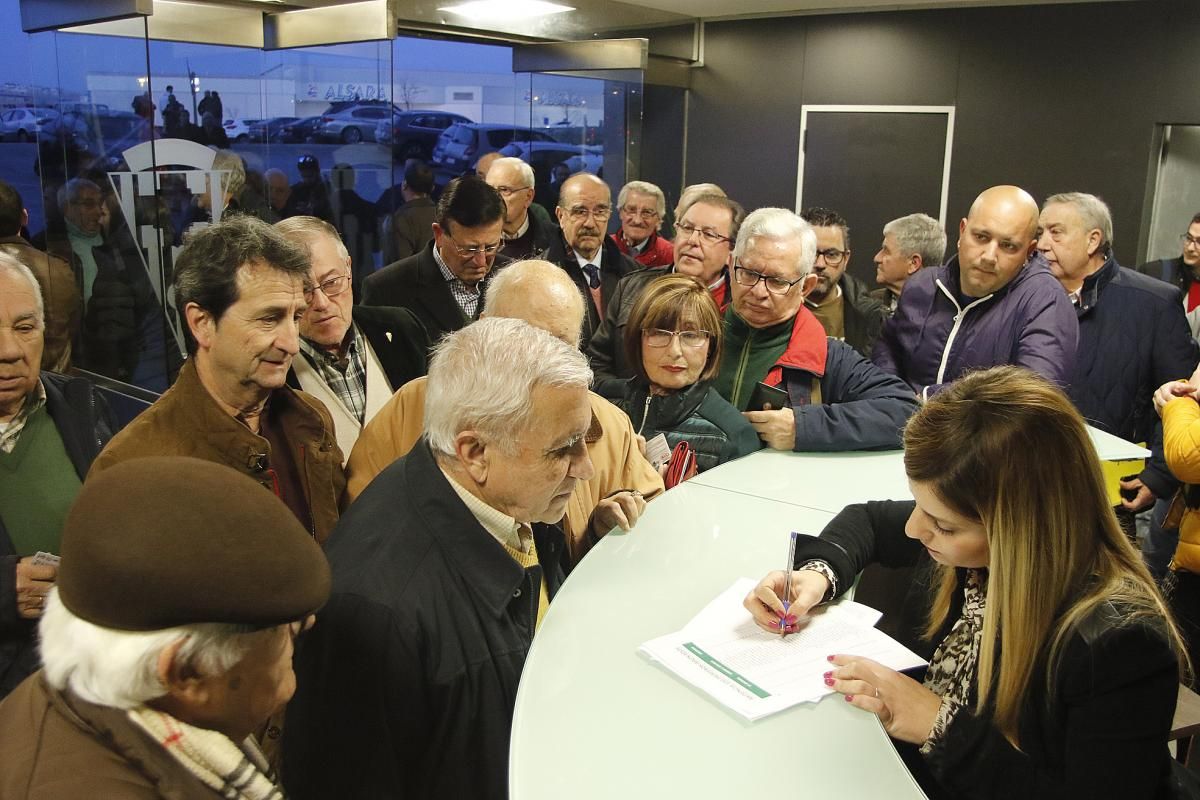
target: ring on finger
<point>876,692</point>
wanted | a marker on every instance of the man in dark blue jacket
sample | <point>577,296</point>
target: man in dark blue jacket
<point>51,428</point>
<point>989,305</point>
<point>1133,335</point>
<point>837,399</point>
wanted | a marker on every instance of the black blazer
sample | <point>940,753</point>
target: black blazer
<point>403,355</point>
<point>405,688</point>
<point>614,265</point>
<point>1101,734</point>
<point>417,284</point>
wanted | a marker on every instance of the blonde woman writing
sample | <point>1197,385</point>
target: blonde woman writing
<point>1055,665</point>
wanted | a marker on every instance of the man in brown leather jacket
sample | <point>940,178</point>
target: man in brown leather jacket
<point>241,287</point>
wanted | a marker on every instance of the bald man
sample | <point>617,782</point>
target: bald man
<point>993,303</point>
<point>592,260</point>
<point>541,294</point>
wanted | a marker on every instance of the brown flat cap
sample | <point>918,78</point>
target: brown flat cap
<point>154,543</point>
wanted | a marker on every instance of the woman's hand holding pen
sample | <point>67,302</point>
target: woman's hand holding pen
<point>905,707</point>
<point>765,601</point>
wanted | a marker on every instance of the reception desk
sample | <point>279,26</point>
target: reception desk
<point>596,720</point>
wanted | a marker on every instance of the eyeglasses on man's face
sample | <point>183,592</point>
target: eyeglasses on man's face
<point>686,230</point>
<point>476,249</point>
<point>833,257</point>
<point>508,191</point>
<point>330,287</point>
<point>639,213</point>
<point>580,213</point>
<point>1189,241</point>
<point>775,285</point>
<point>657,337</point>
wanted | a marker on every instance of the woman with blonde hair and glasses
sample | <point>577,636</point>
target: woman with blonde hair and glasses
<point>673,343</point>
<point>1055,664</point>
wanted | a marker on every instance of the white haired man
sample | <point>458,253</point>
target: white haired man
<point>541,294</point>
<point>836,399</point>
<point>442,570</point>
<point>909,243</point>
<point>51,429</point>
<point>641,206</point>
<point>1133,338</point>
<point>352,358</point>
<point>526,234</point>
<point>167,642</point>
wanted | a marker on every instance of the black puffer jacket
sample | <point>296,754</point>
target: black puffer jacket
<point>85,424</point>
<point>697,415</point>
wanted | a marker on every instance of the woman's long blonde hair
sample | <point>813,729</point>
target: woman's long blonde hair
<point>1007,448</point>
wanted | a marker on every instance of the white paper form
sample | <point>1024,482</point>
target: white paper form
<point>754,673</point>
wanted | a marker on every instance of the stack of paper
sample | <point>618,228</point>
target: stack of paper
<point>722,652</point>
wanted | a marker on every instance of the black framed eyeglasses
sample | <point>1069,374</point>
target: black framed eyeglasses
<point>833,257</point>
<point>686,230</point>
<point>657,337</point>
<point>330,287</point>
<point>775,285</point>
<point>1187,239</point>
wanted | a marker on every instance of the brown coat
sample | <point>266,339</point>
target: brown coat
<point>186,421</point>
<point>60,294</point>
<point>59,747</point>
<point>611,442</point>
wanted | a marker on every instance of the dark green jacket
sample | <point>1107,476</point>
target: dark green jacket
<point>697,415</point>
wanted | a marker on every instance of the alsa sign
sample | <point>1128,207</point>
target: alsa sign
<point>345,91</point>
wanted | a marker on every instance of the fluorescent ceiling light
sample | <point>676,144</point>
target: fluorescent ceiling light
<point>502,10</point>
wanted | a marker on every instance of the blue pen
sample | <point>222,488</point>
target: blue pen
<point>787,581</point>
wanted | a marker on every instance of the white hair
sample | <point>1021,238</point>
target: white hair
<point>778,224</point>
<point>919,234</point>
<point>12,265</point>
<point>119,669</point>
<point>482,377</point>
<point>643,187</point>
<point>523,169</point>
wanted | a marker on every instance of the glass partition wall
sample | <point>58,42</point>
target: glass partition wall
<point>121,156</point>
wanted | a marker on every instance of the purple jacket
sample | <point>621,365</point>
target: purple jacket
<point>931,340</point>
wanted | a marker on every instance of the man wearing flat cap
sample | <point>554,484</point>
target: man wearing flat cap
<point>443,568</point>
<point>241,287</point>
<point>167,641</point>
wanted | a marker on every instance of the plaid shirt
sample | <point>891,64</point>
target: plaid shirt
<point>10,433</point>
<point>347,377</point>
<point>465,295</point>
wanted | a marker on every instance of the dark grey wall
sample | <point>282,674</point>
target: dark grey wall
<point>1053,98</point>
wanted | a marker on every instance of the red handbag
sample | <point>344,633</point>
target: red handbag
<point>681,466</point>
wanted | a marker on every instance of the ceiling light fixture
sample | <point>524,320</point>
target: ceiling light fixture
<point>504,10</point>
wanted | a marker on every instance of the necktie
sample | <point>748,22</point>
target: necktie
<point>593,275</point>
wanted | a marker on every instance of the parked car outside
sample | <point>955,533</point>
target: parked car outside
<point>301,131</point>
<point>238,130</point>
<point>413,134</point>
<point>461,145</point>
<point>543,156</point>
<point>267,130</point>
<point>353,124</point>
<point>24,124</point>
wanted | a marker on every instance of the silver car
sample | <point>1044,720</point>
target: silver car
<point>352,125</point>
<point>24,124</point>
